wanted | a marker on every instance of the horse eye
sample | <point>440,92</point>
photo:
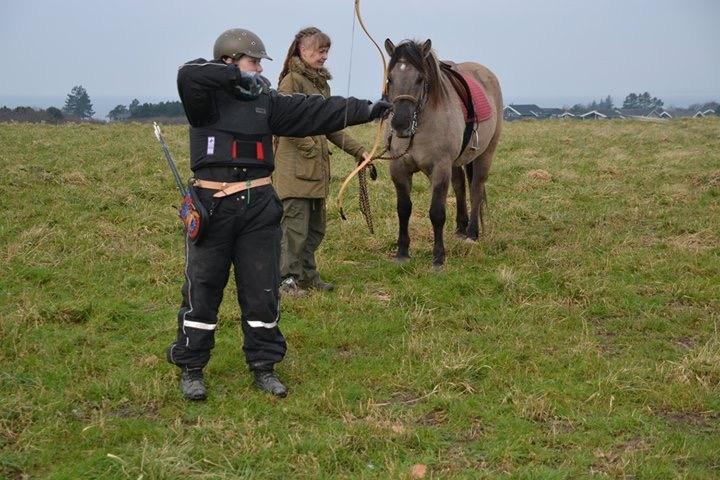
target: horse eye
<point>419,81</point>
<point>389,80</point>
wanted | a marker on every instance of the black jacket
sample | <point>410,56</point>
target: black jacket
<point>226,130</point>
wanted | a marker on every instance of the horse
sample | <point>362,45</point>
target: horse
<point>426,134</point>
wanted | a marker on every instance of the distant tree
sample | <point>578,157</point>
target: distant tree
<point>31,115</point>
<point>578,108</point>
<point>55,114</point>
<point>78,104</point>
<point>631,101</point>
<point>643,100</point>
<point>120,112</point>
<point>133,106</point>
<point>607,104</point>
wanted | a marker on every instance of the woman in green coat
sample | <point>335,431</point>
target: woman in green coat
<point>302,167</point>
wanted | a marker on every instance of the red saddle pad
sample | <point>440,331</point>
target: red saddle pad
<point>483,111</point>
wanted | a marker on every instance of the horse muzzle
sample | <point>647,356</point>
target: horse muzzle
<point>404,128</point>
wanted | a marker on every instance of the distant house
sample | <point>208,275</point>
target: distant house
<point>551,112</point>
<point>680,113</point>
<point>600,114</point>
<point>517,112</point>
<point>705,113</point>
<point>534,112</point>
<point>637,112</point>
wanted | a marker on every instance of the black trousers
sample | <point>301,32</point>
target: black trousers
<point>244,232</point>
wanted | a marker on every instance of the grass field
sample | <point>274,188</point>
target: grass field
<point>577,339</point>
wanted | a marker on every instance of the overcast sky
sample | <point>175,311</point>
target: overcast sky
<point>550,52</point>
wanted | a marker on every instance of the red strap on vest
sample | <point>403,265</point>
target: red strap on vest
<point>259,151</point>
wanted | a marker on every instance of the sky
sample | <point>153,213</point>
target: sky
<point>550,52</point>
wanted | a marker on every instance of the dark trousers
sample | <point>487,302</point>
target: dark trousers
<point>303,228</point>
<point>244,232</point>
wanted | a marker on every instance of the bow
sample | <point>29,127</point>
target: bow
<point>378,134</point>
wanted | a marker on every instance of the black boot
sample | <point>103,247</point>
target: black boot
<point>192,384</point>
<point>267,381</point>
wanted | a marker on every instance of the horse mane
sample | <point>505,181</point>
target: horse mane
<point>411,51</point>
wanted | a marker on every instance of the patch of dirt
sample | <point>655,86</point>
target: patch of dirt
<point>607,343</point>
<point>613,462</point>
<point>694,242</point>
<point>542,175</point>
<point>608,170</point>
<point>685,341</point>
<point>149,361</point>
<point>693,419</point>
<point>561,426</point>
<point>71,315</point>
<point>345,351</point>
<point>710,180</point>
<point>12,472</point>
<point>433,418</point>
<point>475,432</point>
<point>382,297</point>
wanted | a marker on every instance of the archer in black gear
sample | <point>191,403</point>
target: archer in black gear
<point>233,115</point>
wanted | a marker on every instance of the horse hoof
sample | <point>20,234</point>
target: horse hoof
<point>471,241</point>
<point>460,235</point>
<point>438,267</point>
<point>400,259</point>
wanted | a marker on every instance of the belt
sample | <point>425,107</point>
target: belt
<point>228,188</point>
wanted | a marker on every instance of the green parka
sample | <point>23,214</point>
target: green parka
<point>302,165</point>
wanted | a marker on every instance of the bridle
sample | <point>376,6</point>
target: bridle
<point>419,103</point>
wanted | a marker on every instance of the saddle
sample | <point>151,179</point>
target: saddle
<point>473,99</point>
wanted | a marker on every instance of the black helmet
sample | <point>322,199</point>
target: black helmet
<point>237,42</point>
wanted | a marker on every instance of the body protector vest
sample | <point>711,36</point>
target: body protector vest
<point>239,138</point>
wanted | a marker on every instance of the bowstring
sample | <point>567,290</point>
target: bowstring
<point>347,96</point>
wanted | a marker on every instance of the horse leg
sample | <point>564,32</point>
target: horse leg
<point>402,179</point>
<point>440,184</point>
<point>478,196</point>
<point>461,215</point>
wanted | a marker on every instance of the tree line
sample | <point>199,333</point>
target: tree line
<point>632,101</point>
<point>78,107</point>
<point>136,111</point>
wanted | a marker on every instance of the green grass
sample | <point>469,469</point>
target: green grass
<point>578,338</point>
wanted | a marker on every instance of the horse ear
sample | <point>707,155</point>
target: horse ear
<point>389,47</point>
<point>426,48</point>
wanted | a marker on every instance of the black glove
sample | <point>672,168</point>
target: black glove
<point>248,85</point>
<point>379,109</point>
